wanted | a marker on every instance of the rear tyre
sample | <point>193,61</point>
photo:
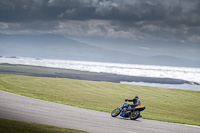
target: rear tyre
<point>135,114</point>
<point>115,112</point>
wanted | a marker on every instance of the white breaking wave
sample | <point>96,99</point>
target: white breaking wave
<point>192,87</point>
<point>189,74</point>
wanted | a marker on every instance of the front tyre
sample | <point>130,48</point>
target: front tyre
<point>115,112</point>
<point>135,114</point>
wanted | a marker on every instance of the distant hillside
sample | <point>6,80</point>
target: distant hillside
<point>59,47</point>
<point>172,61</point>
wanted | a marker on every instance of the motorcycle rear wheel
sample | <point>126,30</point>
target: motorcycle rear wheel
<point>135,114</point>
<point>115,112</point>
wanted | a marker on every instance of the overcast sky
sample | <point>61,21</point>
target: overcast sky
<point>145,24</point>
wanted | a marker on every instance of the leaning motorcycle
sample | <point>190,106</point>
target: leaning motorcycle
<point>127,111</point>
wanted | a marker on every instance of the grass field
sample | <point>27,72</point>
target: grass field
<point>10,126</point>
<point>172,105</point>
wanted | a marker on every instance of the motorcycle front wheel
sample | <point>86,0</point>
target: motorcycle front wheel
<point>135,114</point>
<point>115,112</point>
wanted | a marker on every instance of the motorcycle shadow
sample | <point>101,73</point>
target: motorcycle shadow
<point>137,120</point>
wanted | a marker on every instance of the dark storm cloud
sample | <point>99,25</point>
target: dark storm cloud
<point>127,10</point>
<point>178,19</point>
<point>23,10</point>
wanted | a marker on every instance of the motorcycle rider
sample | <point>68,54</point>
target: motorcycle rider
<point>135,101</point>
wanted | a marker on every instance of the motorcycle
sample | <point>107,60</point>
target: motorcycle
<point>128,111</point>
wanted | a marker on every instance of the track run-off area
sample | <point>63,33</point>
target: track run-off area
<point>21,108</point>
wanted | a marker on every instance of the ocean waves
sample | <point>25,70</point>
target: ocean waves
<point>189,74</point>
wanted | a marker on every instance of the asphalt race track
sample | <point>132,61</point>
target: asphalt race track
<point>16,107</point>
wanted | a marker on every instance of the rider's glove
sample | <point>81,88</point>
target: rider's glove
<point>126,100</point>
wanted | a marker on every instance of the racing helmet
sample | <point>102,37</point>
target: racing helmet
<point>136,97</point>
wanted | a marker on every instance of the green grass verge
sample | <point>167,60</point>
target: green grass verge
<point>11,126</point>
<point>171,105</point>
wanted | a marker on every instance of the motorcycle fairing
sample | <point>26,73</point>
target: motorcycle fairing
<point>123,115</point>
<point>124,105</point>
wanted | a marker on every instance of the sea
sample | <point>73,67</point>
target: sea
<point>184,73</point>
